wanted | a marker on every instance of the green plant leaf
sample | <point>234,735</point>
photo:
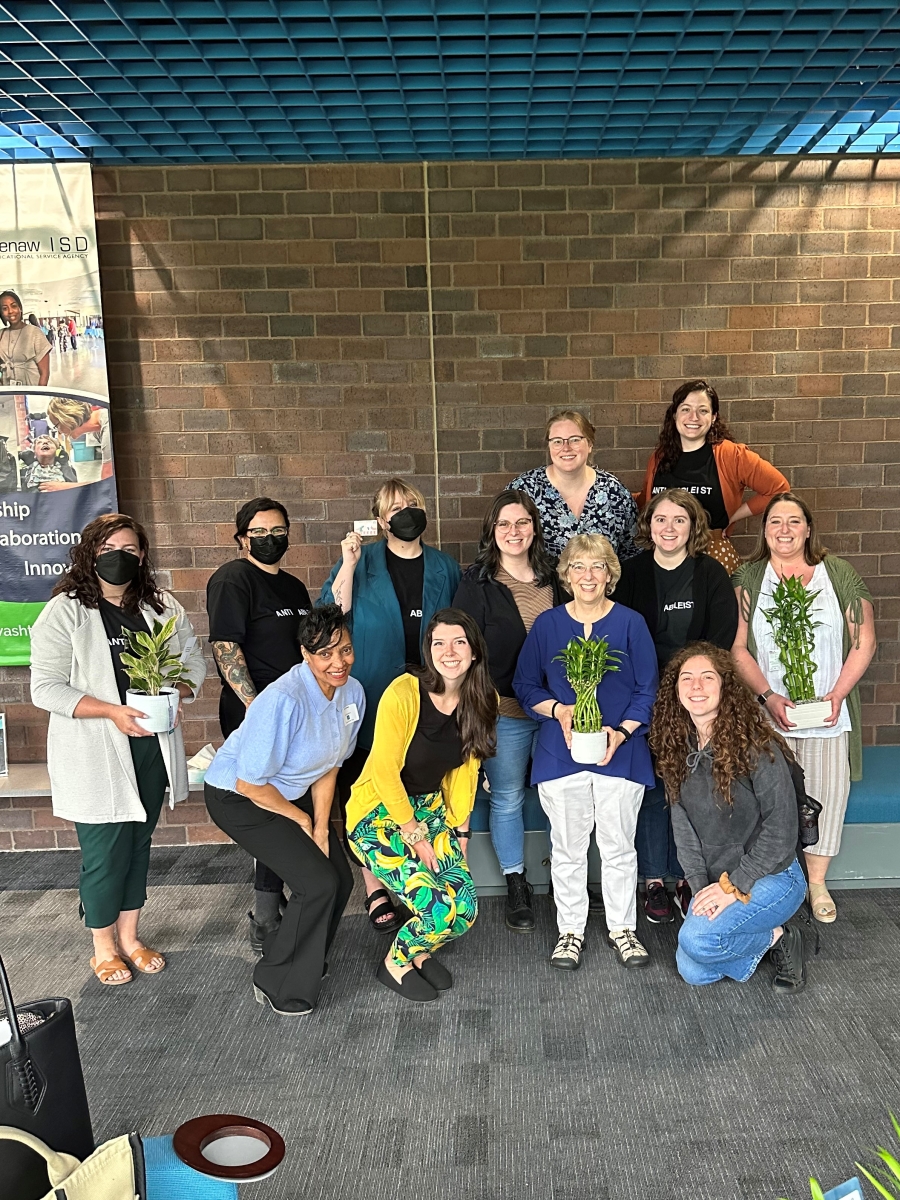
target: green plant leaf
<point>891,1162</point>
<point>815,1190</point>
<point>879,1187</point>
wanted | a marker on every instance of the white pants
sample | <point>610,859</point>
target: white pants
<point>575,805</point>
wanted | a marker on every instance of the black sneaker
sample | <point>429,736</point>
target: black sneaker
<point>683,897</point>
<point>519,914</point>
<point>787,955</point>
<point>657,905</point>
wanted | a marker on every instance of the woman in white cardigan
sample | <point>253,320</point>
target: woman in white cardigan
<point>106,773</point>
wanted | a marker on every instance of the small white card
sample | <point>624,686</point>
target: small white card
<point>351,714</point>
<point>366,528</point>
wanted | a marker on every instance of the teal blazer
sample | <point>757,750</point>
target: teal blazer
<point>377,625</point>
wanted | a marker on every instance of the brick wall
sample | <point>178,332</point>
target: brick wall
<point>267,331</point>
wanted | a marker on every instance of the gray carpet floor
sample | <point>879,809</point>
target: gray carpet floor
<point>523,1083</point>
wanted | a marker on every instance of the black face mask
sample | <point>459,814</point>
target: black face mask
<point>269,549</point>
<point>117,566</point>
<point>408,524</point>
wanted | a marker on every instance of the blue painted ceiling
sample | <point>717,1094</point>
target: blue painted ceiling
<point>188,81</point>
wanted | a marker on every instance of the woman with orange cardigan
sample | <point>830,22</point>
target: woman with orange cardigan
<point>697,452</point>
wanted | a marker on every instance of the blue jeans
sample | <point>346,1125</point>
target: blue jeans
<point>506,774</point>
<point>733,944</point>
<point>654,840</point>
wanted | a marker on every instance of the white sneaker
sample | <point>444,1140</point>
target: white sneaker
<point>630,951</point>
<point>567,955</point>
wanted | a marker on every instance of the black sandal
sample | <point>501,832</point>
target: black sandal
<point>382,910</point>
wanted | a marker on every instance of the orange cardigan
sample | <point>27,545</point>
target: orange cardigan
<point>739,468</point>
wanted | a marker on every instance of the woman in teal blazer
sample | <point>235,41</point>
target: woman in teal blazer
<point>391,589</point>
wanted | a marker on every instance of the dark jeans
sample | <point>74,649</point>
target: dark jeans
<point>115,857</point>
<point>654,840</point>
<point>294,955</point>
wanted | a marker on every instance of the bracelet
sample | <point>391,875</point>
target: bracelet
<point>730,890</point>
<point>463,834</point>
<point>553,709</point>
<point>419,834</point>
<point>626,733</point>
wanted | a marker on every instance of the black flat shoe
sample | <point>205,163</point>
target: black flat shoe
<point>411,987</point>
<point>287,1008</point>
<point>381,910</point>
<point>436,974</point>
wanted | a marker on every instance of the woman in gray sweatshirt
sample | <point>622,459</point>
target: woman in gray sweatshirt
<point>734,816</point>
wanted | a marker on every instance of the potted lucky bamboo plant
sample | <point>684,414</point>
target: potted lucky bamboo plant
<point>153,671</point>
<point>585,663</point>
<point>790,617</point>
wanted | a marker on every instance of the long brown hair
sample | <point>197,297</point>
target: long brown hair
<point>668,448</point>
<point>813,552</point>
<point>81,582</point>
<point>487,560</point>
<point>476,714</point>
<point>739,734</point>
<point>699,538</point>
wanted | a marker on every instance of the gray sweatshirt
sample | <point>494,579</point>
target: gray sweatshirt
<point>754,836</point>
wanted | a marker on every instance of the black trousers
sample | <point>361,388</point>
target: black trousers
<point>231,714</point>
<point>294,955</point>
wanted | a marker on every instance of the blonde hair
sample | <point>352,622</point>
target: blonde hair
<point>597,547</point>
<point>699,538</point>
<point>68,414</point>
<point>390,490</point>
<point>577,418</point>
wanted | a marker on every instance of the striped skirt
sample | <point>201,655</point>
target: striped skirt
<point>826,765</point>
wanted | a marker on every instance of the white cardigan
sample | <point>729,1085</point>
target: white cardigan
<point>92,776</point>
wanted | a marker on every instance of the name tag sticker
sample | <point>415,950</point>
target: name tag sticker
<point>351,714</point>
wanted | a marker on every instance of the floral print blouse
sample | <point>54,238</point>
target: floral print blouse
<point>608,509</point>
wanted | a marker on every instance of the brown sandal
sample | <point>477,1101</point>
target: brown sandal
<point>106,969</point>
<point>141,958</point>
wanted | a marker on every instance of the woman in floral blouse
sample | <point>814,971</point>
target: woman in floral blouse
<point>574,497</point>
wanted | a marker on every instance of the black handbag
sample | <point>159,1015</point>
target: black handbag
<point>41,1091</point>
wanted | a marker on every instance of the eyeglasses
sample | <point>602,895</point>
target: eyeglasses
<point>583,568</point>
<point>574,443</point>
<point>278,531</point>
<point>520,526</point>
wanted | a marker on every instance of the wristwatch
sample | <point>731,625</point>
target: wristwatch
<point>626,733</point>
<point>763,696</point>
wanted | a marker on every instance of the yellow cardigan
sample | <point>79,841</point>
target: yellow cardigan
<point>379,783</point>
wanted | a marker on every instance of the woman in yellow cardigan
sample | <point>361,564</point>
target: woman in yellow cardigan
<point>408,813</point>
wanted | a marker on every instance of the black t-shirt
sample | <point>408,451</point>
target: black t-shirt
<point>675,597</point>
<point>408,576</point>
<point>261,613</point>
<point>434,750</point>
<point>115,622</point>
<point>696,472</point>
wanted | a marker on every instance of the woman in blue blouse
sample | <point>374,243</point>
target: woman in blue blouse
<point>270,788</point>
<point>390,589</point>
<point>607,796</point>
<point>574,497</point>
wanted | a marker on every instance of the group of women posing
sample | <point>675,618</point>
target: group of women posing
<point>408,677</point>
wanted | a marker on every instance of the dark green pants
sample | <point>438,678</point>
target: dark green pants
<point>115,858</point>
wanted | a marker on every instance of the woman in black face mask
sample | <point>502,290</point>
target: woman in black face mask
<point>107,774</point>
<point>255,608</point>
<point>392,587</point>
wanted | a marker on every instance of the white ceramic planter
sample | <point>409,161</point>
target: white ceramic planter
<point>809,714</point>
<point>161,710</point>
<point>588,748</point>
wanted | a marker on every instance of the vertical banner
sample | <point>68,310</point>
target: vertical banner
<point>56,463</point>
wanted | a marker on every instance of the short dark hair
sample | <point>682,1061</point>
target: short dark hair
<point>320,626</point>
<point>261,504</point>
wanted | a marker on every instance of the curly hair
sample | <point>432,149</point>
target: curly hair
<point>699,539</point>
<point>740,732</point>
<point>478,709</point>
<point>81,581</point>
<point>668,448</point>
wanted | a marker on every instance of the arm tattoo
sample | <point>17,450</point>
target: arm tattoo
<point>230,660</point>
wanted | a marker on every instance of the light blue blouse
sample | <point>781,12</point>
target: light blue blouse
<point>292,735</point>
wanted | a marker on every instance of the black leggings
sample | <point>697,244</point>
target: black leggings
<point>294,955</point>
